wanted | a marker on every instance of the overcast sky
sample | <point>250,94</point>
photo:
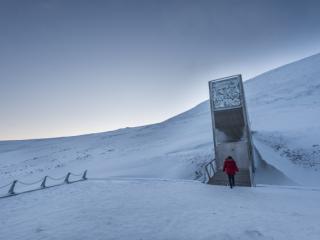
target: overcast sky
<point>74,67</point>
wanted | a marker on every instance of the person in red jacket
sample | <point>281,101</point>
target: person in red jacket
<point>230,167</point>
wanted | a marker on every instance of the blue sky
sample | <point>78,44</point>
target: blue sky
<point>74,67</point>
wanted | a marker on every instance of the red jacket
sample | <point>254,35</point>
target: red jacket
<point>230,167</point>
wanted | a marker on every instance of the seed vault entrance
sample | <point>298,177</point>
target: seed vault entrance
<point>231,132</point>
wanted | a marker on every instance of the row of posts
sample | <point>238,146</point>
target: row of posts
<point>43,184</point>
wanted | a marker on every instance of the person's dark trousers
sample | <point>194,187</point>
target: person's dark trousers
<point>231,180</point>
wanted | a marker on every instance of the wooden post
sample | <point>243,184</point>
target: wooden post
<point>43,184</point>
<point>66,180</point>
<point>11,190</point>
<point>84,176</point>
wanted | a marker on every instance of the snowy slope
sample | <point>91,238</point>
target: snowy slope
<point>283,106</point>
<point>172,149</point>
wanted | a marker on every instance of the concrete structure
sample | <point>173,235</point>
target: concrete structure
<point>231,131</point>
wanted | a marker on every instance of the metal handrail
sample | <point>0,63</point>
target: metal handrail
<point>209,170</point>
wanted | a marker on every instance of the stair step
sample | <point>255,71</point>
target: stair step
<point>242,178</point>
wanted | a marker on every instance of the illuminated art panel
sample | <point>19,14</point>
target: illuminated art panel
<point>226,93</point>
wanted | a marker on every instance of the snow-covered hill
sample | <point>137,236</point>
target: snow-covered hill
<point>283,106</point>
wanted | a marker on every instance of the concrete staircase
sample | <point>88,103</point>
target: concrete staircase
<point>242,178</point>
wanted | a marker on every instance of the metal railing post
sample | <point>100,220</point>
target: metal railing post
<point>11,190</point>
<point>209,170</point>
<point>43,184</point>
<point>84,176</point>
<point>213,170</point>
<point>208,174</point>
<point>66,180</point>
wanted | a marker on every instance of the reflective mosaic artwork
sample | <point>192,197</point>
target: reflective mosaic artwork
<point>226,93</point>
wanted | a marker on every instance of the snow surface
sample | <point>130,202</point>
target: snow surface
<point>284,106</point>
<point>161,210</point>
